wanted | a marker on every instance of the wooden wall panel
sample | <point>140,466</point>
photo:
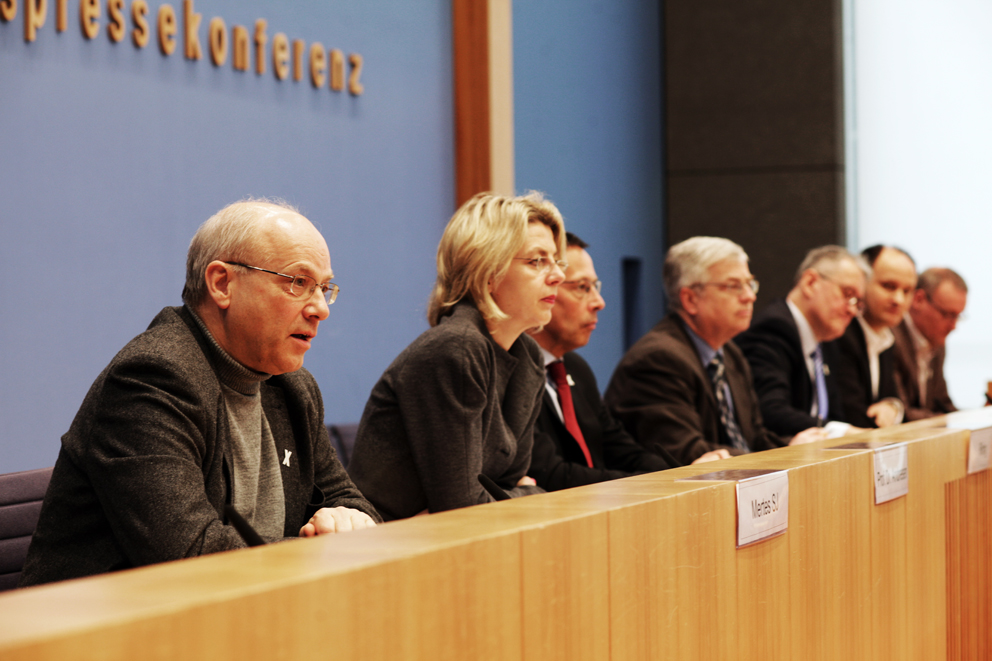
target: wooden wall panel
<point>483,90</point>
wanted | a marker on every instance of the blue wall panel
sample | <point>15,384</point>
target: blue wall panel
<point>587,99</point>
<point>111,156</point>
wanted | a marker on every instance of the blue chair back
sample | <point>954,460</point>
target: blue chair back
<point>343,440</point>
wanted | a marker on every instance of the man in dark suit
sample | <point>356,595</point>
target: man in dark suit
<point>788,344</point>
<point>938,303</point>
<point>576,440</point>
<point>683,386</point>
<point>865,367</point>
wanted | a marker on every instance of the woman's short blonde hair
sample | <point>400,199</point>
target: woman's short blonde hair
<point>479,244</point>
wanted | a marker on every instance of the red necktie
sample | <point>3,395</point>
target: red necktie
<point>557,372</point>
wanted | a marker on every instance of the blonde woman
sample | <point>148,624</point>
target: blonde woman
<point>462,399</point>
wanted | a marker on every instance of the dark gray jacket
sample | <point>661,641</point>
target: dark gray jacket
<point>454,404</point>
<point>144,471</point>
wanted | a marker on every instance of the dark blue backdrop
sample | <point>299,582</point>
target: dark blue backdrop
<point>111,156</point>
<point>587,99</point>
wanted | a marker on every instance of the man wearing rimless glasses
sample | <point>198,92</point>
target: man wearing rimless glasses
<point>684,385</point>
<point>206,409</point>
<point>789,343</point>
<point>938,305</point>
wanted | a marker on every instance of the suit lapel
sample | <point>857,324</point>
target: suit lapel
<point>552,407</point>
<point>805,385</point>
<point>861,345</point>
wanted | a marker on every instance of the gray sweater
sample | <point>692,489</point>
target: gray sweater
<point>454,404</point>
<point>145,469</point>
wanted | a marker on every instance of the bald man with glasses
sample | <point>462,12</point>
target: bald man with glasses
<point>208,408</point>
<point>937,306</point>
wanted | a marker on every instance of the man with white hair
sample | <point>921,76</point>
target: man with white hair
<point>684,386</point>
<point>208,408</point>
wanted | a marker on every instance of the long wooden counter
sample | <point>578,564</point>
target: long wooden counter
<point>641,568</point>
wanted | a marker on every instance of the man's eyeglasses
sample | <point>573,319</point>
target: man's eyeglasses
<point>946,314</point>
<point>544,264</point>
<point>853,300</point>
<point>300,286</point>
<point>583,288</point>
<point>736,288</point>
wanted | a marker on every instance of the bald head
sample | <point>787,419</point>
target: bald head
<point>246,232</point>
<point>258,274</point>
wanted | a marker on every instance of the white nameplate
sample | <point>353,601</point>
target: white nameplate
<point>891,472</point>
<point>980,450</point>
<point>979,423</point>
<point>762,507</point>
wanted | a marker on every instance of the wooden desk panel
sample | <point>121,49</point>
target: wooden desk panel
<point>566,588</point>
<point>969,578</point>
<point>706,573</point>
<point>830,543</point>
<point>643,568</point>
<point>644,604</point>
<point>932,465</point>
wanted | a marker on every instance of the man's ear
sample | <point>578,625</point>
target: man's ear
<point>218,279</point>
<point>806,282</point>
<point>689,299</point>
<point>919,296</point>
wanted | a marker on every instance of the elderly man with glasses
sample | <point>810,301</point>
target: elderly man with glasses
<point>684,386</point>
<point>789,343</point>
<point>208,408</point>
<point>937,306</point>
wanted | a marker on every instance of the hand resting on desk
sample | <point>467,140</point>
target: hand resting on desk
<point>336,519</point>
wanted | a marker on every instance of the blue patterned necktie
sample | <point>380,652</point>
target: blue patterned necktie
<point>716,370</point>
<point>822,402</point>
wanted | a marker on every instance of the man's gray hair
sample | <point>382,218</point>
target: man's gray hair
<point>935,276</point>
<point>687,263</point>
<point>230,235</point>
<point>825,260</point>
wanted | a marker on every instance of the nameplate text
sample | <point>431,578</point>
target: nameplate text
<point>890,472</point>
<point>762,507</point>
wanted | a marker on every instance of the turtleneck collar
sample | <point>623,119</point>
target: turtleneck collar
<point>230,372</point>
